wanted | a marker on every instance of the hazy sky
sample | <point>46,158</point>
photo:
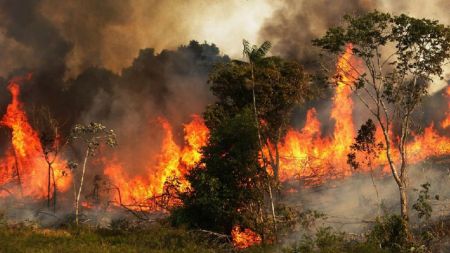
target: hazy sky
<point>110,33</point>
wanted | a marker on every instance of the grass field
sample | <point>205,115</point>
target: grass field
<point>154,239</point>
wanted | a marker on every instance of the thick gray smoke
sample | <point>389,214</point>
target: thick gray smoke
<point>170,83</point>
<point>295,23</point>
<point>104,61</point>
<point>351,204</point>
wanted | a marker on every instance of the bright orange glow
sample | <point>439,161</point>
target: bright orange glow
<point>446,122</point>
<point>308,156</point>
<point>196,136</point>
<point>172,162</point>
<point>244,238</point>
<point>24,164</point>
<point>305,154</point>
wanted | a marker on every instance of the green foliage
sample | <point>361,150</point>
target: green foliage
<point>271,86</point>
<point>422,205</point>
<point>226,184</point>
<point>153,239</point>
<point>365,143</point>
<point>92,135</point>
<point>254,53</point>
<point>420,49</point>
<point>327,240</point>
<point>389,233</point>
<point>394,59</point>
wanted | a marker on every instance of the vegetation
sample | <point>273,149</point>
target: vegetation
<point>250,118</point>
<point>91,136</point>
<point>400,56</point>
<point>236,181</point>
<point>158,239</point>
<point>227,184</point>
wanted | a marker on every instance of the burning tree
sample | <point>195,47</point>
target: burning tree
<point>263,90</point>
<point>48,129</point>
<point>399,56</point>
<point>91,136</point>
<point>227,185</point>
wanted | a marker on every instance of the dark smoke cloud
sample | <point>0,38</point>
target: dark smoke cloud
<point>23,24</point>
<point>296,23</point>
<point>108,33</point>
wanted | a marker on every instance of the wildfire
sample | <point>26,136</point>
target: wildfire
<point>446,122</point>
<point>306,155</point>
<point>244,238</point>
<point>24,164</point>
<point>172,164</point>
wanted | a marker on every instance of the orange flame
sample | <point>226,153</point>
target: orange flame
<point>244,238</point>
<point>172,163</point>
<point>446,122</point>
<point>306,155</point>
<point>24,162</point>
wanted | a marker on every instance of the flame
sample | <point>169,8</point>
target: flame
<point>24,162</point>
<point>196,136</point>
<point>446,122</point>
<point>429,144</point>
<point>306,155</point>
<point>244,238</point>
<point>171,163</point>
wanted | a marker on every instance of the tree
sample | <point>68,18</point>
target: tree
<point>271,87</point>
<point>278,86</point>
<point>91,136</point>
<point>227,184</point>
<point>400,56</point>
<point>365,150</point>
<point>49,134</point>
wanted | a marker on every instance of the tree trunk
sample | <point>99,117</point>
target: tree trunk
<point>404,204</point>
<point>54,190</point>
<point>401,179</point>
<point>77,201</point>
<point>272,205</point>
<point>48,184</point>
<point>262,152</point>
<point>19,180</point>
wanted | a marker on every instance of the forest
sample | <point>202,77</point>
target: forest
<point>340,146</point>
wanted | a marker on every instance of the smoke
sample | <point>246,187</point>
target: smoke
<point>109,33</point>
<point>119,63</point>
<point>353,203</point>
<point>294,24</point>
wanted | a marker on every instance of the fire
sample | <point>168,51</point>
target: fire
<point>24,164</point>
<point>171,163</point>
<point>446,122</point>
<point>196,136</point>
<point>305,154</point>
<point>429,144</point>
<point>244,238</point>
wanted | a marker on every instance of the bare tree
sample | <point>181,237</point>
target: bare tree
<point>49,134</point>
<point>91,136</point>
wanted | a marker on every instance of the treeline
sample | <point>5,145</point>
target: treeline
<point>237,183</point>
